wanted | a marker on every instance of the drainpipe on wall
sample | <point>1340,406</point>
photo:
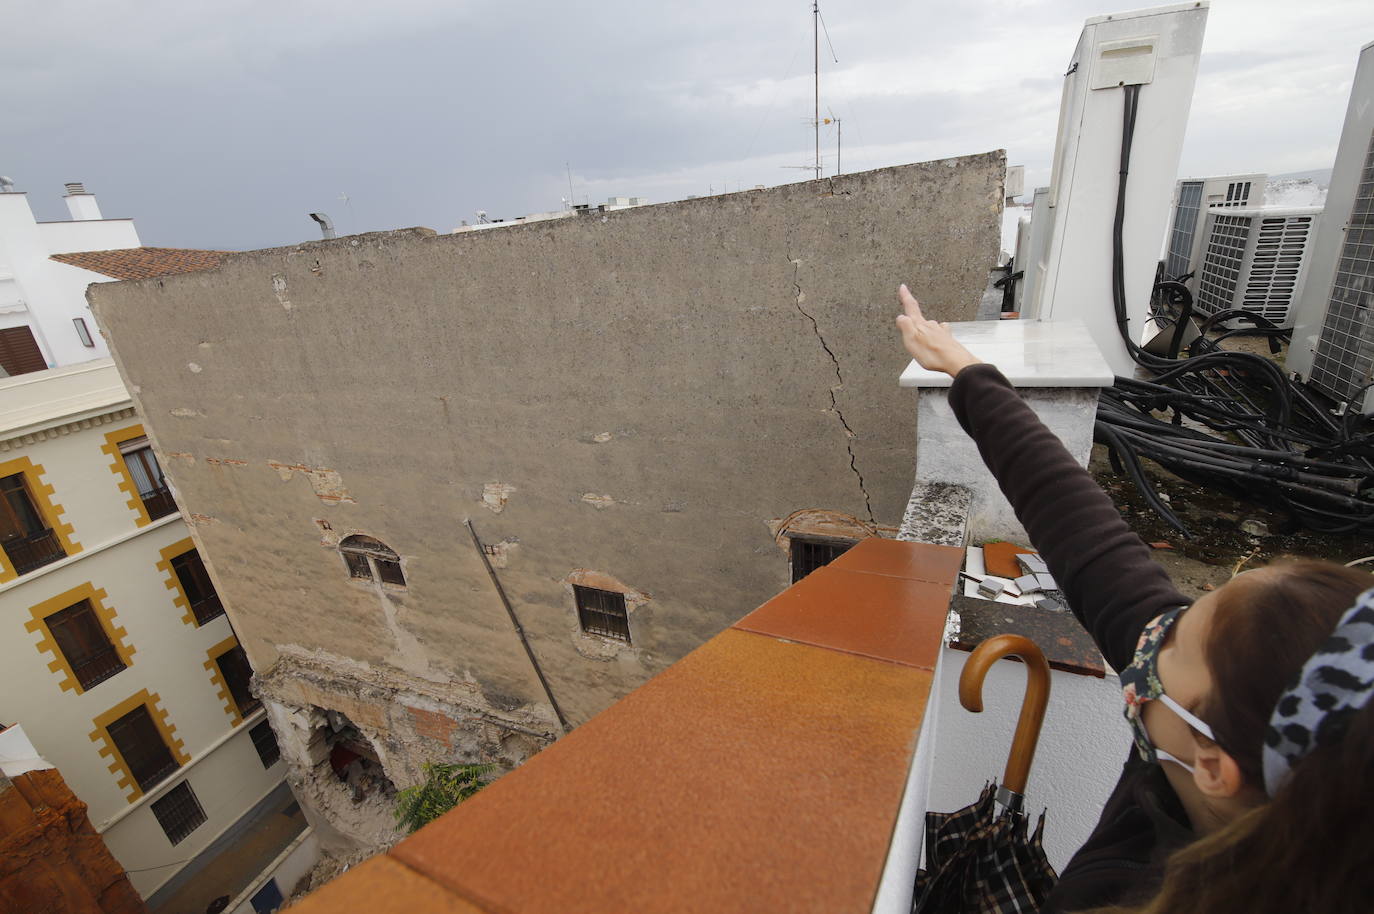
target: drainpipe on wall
<point>510,611</point>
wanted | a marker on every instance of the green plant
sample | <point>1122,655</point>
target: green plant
<point>444,787</point>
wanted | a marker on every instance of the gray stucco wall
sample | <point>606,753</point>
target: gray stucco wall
<point>663,359</point>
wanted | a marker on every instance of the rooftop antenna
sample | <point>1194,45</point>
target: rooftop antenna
<point>817,24</point>
<point>568,166</point>
<point>816,42</point>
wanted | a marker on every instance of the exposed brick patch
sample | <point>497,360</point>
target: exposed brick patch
<point>433,725</point>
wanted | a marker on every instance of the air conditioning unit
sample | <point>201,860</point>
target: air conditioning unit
<point>1156,50</point>
<point>1255,260</point>
<point>1030,257</point>
<point>1333,334</point>
<point>1193,197</point>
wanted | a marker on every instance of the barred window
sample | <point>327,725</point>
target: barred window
<point>178,812</point>
<point>602,612</point>
<point>808,554</point>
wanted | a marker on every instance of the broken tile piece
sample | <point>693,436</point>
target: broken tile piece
<point>1046,581</point>
<point>1000,558</point>
<point>1032,563</point>
<point>1028,583</point>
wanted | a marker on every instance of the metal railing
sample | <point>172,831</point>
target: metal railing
<point>34,550</point>
<point>207,608</point>
<point>159,502</point>
<point>98,667</point>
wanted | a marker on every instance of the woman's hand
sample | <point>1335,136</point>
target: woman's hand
<point>930,342</point>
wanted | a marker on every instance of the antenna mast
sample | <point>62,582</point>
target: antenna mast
<point>816,41</point>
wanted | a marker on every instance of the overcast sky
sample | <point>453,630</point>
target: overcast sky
<point>222,125</point>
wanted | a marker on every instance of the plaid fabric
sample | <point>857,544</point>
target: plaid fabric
<point>980,862</point>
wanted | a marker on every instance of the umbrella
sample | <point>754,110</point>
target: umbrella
<point>977,859</point>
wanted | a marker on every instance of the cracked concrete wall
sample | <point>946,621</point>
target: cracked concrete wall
<point>636,393</point>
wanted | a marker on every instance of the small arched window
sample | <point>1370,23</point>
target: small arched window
<point>370,559</point>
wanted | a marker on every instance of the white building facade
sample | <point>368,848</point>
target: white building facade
<point>43,312</point>
<point>116,656</point>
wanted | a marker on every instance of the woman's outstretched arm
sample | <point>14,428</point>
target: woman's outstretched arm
<point>1107,574</point>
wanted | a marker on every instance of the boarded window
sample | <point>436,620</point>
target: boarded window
<point>602,612</point>
<point>233,666</point>
<point>368,558</point>
<point>19,352</point>
<point>140,743</point>
<point>809,554</point>
<point>190,571</point>
<point>83,641</point>
<point>178,812</point>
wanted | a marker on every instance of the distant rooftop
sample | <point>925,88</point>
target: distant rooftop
<point>30,402</point>
<point>143,263</point>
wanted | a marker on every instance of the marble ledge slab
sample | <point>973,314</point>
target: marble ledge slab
<point>1029,353</point>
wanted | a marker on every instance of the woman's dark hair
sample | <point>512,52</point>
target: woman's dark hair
<point>1262,633</point>
<point>1308,848</point>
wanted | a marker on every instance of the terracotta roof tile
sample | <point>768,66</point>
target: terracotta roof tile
<point>898,620</point>
<point>142,263</point>
<point>383,885</point>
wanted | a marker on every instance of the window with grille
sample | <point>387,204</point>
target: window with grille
<point>809,554</point>
<point>602,612</point>
<point>369,559</point>
<point>233,666</point>
<point>148,478</point>
<point>83,641</point>
<point>265,742</point>
<point>178,812</point>
<point>26,538</point>
<point>142,747</point>
<point>195,583</point>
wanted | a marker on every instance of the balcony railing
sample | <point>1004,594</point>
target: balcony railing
<point>207,608</point>
<point>159,503</point>
<point>98,667</point>
<point>34,550</point>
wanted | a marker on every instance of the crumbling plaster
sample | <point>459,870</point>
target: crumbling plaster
<point>637,393</point>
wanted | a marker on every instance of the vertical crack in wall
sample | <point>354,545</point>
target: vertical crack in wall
<point>849,435</point>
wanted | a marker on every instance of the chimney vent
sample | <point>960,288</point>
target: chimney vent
<point>75,187</point>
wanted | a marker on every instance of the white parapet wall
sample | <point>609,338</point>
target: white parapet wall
<point>1055,366</point>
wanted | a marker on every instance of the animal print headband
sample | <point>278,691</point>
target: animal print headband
<point>1335,683</point>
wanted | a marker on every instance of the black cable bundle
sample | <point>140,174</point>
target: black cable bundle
<point>1274,442</point>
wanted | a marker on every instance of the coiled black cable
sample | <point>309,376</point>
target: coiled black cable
<point>1271,441</point>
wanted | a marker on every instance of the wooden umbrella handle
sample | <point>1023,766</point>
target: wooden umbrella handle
<point>1032,706</point>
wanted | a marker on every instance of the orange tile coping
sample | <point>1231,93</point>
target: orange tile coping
<point>755,774</point>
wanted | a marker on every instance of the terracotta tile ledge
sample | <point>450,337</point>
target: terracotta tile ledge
<point>762,772</point>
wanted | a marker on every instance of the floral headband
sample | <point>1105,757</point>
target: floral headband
<point>1335,683</point>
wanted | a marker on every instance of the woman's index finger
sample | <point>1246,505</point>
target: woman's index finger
<point>909,303</point>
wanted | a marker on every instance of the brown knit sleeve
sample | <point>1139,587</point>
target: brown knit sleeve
<point>1111,583</point>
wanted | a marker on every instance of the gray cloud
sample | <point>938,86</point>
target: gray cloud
<point>222,126</point>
